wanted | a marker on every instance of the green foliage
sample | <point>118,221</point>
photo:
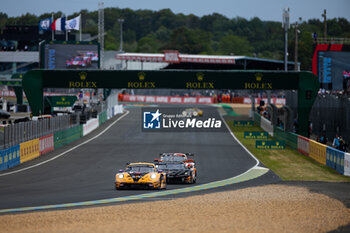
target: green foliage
<point>232,44</point>
<point>154,31</point>
<point>191,41</point>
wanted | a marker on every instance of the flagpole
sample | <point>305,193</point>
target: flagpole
<point>52,31</point>
<point>80,27</point>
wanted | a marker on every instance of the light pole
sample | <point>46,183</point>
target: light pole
<point>121,21</point>
<point>285,25</point>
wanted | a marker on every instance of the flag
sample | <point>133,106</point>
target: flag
<point>59,24</point>
<point>44,24</point>
<point>73,24</point>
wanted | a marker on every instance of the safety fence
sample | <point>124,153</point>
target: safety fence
<point>45,142</point>
<point>17,133</point>
<point>323,154</point>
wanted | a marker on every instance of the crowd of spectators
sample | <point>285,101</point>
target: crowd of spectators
<point>338,142</point>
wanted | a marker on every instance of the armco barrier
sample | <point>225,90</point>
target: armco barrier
<point>46,144</point>
<point>335,159</point>
<point>91,125</point>
<point>9,157</point>
<point>29,150</point>
<point>257,119</point>
<point>291,139</point>
<point>318,151</point>
<point>303,145</point>
<point>347,164</point>
<point>102,117</point>
<point>266,125</point>
<point>67,136</point>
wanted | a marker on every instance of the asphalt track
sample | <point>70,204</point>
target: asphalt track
<point>87,172</point>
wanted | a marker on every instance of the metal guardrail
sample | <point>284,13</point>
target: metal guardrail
<point>14,134</point>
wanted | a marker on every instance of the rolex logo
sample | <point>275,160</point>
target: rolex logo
<point>258,76</point>
<point>200,76</point>
<point>82,76</point>
<point>141,76</point>
<point>63,99</point>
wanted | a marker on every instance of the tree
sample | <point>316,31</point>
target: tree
<point>147,44</point>
<point>236,45</point>
<point>192,41</point>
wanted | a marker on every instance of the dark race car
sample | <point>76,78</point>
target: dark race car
<point>178,172</point>
<point>176,157</point>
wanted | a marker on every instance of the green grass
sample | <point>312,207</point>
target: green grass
<point>288,164</point>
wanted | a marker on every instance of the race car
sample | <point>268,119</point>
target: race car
<point>176,157</point>
<point>192,112</point>
<point>78,62</point>
<point>92,55</point>
<point>140,175</point>
<point>178,172</point>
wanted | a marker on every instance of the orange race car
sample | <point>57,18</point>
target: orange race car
<point>140,175</point>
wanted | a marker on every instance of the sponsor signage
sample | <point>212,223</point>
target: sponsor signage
<point>275,145</point>
<point>181,120</point>
<point>243,123</point>
<point>166,79</point>
<point>62,101</point>
<point>200,83</point>
<point>141,82</point>
<point>256,135</point>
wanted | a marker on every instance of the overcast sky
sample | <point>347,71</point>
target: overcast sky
<point>264,9</point>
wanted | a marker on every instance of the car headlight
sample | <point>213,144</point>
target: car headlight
<point>121,176</point>
<point>186,173</point>
<point>153,176</point>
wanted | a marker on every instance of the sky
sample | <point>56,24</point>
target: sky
<point>264,9</point>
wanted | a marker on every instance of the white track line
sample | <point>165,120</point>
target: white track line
<point>69,150</point>
<point>229,129</point>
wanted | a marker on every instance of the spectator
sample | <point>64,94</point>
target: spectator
<point>323,138</point>
<point>335,143</point>
<point>342,144</point>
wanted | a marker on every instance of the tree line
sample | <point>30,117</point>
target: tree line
<point>154,31</point>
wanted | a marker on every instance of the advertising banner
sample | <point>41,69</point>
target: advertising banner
<point>256,135</point>
<point>243,123</point>
<point>347,164</point>
<point>46,144</point>
<point>168,99</point>
<point>275,145</point>
<point>317,151</point>
<point>9,157</point>
<point>303,145</point>
<point>335,159</point>
<point>29,150</point>
<point>90,126</point>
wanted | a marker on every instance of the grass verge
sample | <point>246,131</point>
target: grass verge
<point>289,164</point>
